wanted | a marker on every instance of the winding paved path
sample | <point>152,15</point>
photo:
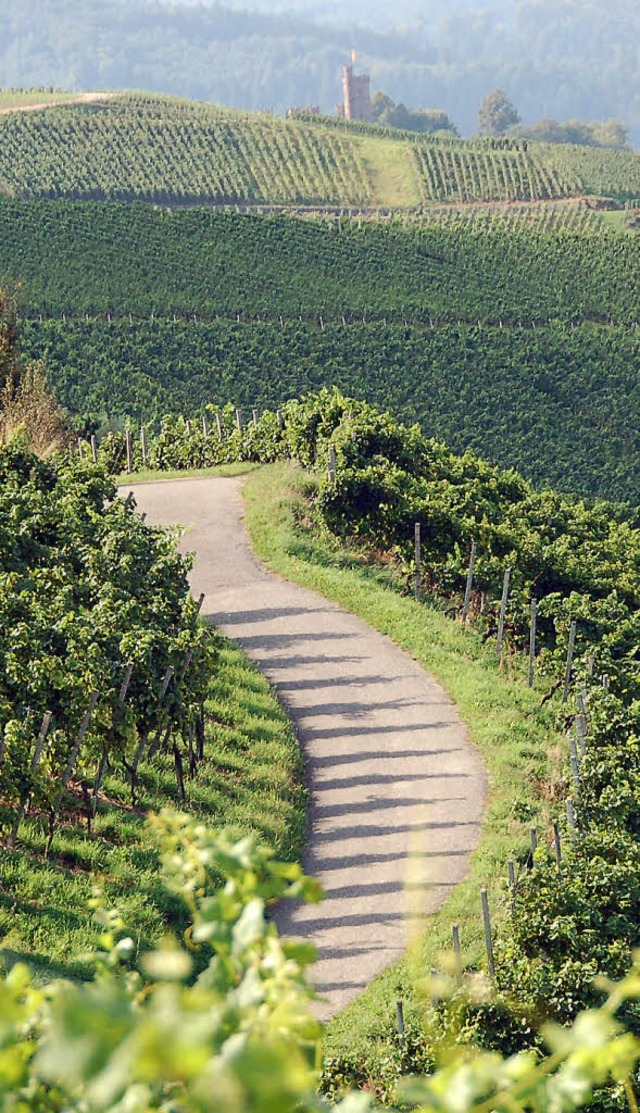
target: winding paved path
<point>396,788</point>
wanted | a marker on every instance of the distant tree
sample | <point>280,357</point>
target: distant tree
<point>611,133</point>
<point>380,103</point>
<point>496,114</point>
<point>424,120</point>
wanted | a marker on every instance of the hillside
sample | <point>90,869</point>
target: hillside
<point>563,59</point>
<point>519,344</point>
<point>78,258</point>
<point>178,152</point>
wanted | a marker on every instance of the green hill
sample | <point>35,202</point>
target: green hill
<point>77,258</point>
<point>520,344</point>
<point>170,151</point>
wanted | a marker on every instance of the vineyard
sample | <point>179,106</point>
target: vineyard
<point>210,264</point>
<point>603,173</point>
<point>542,217</point>
<point>571,909</point>
<point>167,151</point>
<point>104,662</point>
<point>114,700</point>
<point>447,173</point>
<point>536,400</point>
<point>91,647</point>
<point>174,152</point>
<point>501,313</point>
<point>518,343</point>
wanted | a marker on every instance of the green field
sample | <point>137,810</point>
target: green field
<point>519,343</point>
<point>77,258</point>
<point>166,150</point>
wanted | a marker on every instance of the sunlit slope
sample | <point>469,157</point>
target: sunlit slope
<point>170,151</point>
<point>111,258</point>
<point>520,344</point>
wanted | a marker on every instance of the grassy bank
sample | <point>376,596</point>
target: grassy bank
<point>250,781</point>
<point>514,735</point>
<point>147,475</point>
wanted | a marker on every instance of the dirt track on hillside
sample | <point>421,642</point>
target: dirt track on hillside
<point>396,788</point>
<point>82,98</point>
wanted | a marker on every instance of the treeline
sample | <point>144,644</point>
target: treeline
<point>561,61</point>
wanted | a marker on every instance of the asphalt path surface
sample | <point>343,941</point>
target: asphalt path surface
<point>396,788</point>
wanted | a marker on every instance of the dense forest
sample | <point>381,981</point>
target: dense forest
<point>562,60</point>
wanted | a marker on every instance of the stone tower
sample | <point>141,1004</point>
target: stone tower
<point>356,94</point>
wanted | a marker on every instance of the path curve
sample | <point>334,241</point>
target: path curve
<point>397,789</point>
<point>81,98</point>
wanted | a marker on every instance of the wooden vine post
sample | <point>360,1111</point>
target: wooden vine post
<point>104,756</point>
<point>332,465</point>
<point>457,953</point>
<point>503,611</point>
<point>486,919</point>
<point>418,562</point>
<point>73,757</point>
<point>569,669</point>
<point>557,844</point>
<point>133,768</point>
<point>581,727</point>
<point>532,641</point>
<point>469,585</point>
<point>129,447</point>
<point>24,800</point>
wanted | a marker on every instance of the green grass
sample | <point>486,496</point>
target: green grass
<point>391,175</point>
<point>514,735</point>
<point>250,781</point>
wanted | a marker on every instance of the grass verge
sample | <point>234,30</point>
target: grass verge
<point>250,781</point>
<point>393,180</point>
<point>512,732</point>
<point>148,475</point>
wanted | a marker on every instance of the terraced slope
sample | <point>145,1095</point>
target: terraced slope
<point>481,172</point>
<point>170,151</point>
<point>161,150</point>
